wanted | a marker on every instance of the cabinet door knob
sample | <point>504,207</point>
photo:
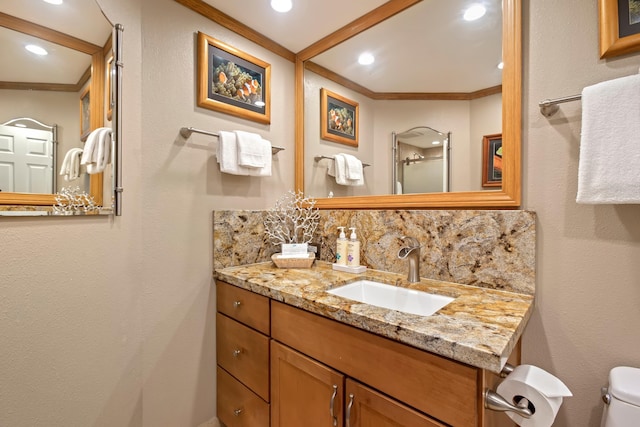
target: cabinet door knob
<point>348,415</point>
<point>237,353</point>
<point>237,412</point>
<point>331,404</point>
<point>236,304</point>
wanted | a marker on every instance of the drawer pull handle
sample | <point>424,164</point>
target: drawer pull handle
<point>237,412</point>
<point>348,416</point>
<point>331,403</point>
<point>236,304</point>
<point>237,353</point>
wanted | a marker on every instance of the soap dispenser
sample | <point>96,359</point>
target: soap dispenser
<point>341,248</point>
<point>353,249</point>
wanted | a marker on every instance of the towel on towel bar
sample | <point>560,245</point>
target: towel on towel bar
<point>341,171</point>
<point>251,150</point>
<point>70,168</point>
<point>610,143</point>
<point>97,150</point>
<point>227,156</point>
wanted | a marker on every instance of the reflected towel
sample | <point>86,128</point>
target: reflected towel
<point>70,168</point>
<point>341,172</point>
<point>610,143</point>
<point>97,150</point>
<point>227,154</point>
<point>353,167</point>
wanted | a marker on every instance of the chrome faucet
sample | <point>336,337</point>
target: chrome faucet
<point>412,252</point>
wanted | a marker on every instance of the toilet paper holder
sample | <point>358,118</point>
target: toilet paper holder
<point>495,402</point>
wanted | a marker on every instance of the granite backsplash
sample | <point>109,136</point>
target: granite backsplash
<point>492,249</point>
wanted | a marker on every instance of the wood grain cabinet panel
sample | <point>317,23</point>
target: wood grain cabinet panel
<point>237,406</point>
<point>244,306</point>
<point>244,353</point>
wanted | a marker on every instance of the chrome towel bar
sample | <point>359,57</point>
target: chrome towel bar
<point>318,158</point>
<point>186,132</point>
<point>549,107</point>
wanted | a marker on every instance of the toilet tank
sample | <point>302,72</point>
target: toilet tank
<point>623,395</point>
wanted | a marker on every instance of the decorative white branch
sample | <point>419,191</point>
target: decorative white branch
<point>294,219</point>
<point>70,200</point>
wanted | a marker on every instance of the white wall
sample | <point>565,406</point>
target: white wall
<point>588,275</point>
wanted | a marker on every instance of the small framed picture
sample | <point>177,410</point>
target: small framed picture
<point>85,114</point>
<point>619,27</point>
<point>338,118</point>
<point>233,82</point>
<point>492,160</point>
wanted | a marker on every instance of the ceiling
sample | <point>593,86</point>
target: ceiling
<point>78,18</point>
<point>426,48</point>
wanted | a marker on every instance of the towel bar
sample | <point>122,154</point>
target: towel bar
<point>318,158</point>
<point>186,132</point>
<point>549,107</point>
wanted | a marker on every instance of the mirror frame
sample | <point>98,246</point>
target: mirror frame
<point>97,102</point>
<point>509,197</point>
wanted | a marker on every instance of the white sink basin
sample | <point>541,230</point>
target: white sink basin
<point>392,297</point>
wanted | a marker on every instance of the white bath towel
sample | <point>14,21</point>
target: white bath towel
<point>227,154</point>
<point>353,167</point>
<point>251,149</point>
<point>609,165</point>
<point>265,147</point>
<point>97,150</point>
<point>341,172</point>
<point>70,167</point>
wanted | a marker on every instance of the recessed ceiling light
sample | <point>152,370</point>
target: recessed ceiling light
<point>475,11</point>
<point>366,59</point>
<point>501,65</point>
<point>281,5</point>
<point>435,143</point>
<point>36,49</point>
<point>20,125</point>
<point>54,1</point>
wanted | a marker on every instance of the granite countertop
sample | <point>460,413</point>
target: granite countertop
<point>480,327</point>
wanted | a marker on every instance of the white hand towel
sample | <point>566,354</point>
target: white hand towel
<point>251,151</point>
<point>100,145</point>
<point>353,167</point>
<point>70,168</point>
<point>265,146</point>
<point>341,172</point>
<point>609,165</point>
<point>227,154</point>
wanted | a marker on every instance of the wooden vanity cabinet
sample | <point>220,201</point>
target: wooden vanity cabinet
<point>242,351</point>
<point>294,365</point>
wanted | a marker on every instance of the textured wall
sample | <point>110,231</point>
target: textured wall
<point>588,274</point>
<point>493,249</point>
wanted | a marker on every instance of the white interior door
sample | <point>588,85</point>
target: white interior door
<point>26,160</point>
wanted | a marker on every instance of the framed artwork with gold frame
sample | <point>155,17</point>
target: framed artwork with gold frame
<point>619,27</point>
<point>492,160</point>
<point>232,81</point>
<point>85,114</point>
<point>339,118</point>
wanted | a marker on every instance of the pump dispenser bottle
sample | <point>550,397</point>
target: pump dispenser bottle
<point>341,248</point>
<point>353,249</point>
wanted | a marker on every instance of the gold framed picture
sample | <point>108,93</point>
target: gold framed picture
<point>339,118</point>
<point>233,82</point>
<point>619,27</point>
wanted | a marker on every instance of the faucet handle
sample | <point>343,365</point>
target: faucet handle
<point>411,241</point>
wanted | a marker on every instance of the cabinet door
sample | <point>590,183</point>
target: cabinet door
<point>368,408</point>
<point>303,391</point>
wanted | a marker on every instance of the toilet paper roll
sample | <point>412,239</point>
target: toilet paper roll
<point>543,391</point>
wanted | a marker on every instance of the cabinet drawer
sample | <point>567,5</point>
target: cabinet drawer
<point>442,388</point>
<point>244,306</point>
<point>244,353</point>
<point>237,406</point>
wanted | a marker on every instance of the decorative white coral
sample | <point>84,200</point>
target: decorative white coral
<point>294,219</point>
<point>71,200</point>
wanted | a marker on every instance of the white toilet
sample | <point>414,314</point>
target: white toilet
<point>622,398</point>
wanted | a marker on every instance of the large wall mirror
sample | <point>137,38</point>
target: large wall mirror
<point>447,78</point>
<point>51,104</point>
